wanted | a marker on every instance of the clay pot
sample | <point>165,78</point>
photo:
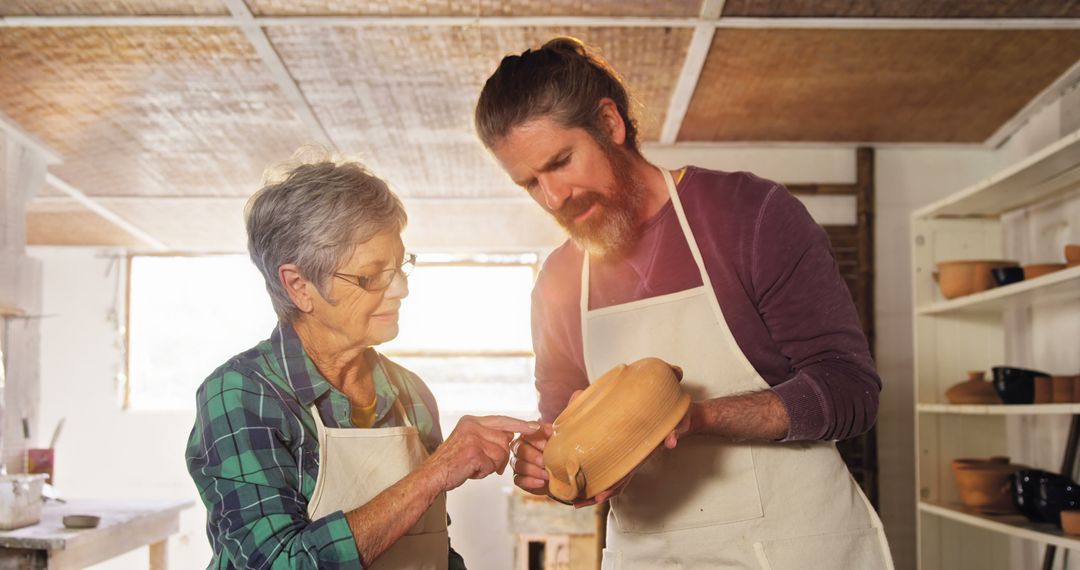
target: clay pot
<point>1070,522</point>
<point>1076,389</point>
<point>984,484</point>
<point>1044,390</point>
<point>1072,255</point>
<point>976,390</point>
<point>958,278</point>
<point>1040,269</point>
<point>612,427</point>
<point>1062,387</point>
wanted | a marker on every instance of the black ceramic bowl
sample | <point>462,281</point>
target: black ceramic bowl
<point>1007,275</point>
<point>1016,385</point>
<point>1024,485</point>
<point>1056,494</point>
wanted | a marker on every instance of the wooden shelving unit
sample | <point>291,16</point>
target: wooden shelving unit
<point>977,332</point>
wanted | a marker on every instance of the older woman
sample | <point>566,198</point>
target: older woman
<point>311,450</point>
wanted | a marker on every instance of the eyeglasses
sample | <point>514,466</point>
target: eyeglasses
<point>383,279</point>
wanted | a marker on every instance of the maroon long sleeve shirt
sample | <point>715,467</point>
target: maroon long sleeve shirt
<point>777,282</point>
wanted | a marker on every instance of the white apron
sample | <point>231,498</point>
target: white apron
<point>356,464</point>
<point>710,503</point>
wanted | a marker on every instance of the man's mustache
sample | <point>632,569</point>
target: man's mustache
<point>574,207</point>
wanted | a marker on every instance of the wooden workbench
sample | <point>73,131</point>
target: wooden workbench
<point>124,526</point>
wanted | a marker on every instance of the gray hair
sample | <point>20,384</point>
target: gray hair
<point>312,211</point>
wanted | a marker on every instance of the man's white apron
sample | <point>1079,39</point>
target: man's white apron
<point>710,503</point>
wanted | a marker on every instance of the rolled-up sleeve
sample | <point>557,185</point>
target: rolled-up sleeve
<point>807,307</point>
<point>245,458</point>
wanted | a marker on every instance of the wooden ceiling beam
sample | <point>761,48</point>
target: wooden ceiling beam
<point>96,207</point>
<point>542,21</point>
<point>696,53</point>
<point>284,79</point>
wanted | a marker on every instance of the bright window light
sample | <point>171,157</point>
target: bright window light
<point>464,328</point>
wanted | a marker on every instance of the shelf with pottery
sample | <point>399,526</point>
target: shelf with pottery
<point>1057,287</point>
<point>1012,525</point>
<point>1000,409</point>
<point>992,326</point>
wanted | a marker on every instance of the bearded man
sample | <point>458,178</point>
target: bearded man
<point>724,274</point>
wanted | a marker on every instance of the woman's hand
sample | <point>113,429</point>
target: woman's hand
<point>478,447</point>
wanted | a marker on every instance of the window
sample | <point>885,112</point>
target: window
<point>464,328</point>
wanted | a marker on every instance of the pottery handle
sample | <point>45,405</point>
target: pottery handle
<point>576,477</point>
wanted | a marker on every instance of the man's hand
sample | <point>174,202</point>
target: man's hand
<point>528,460</point>
<point>478,447</point>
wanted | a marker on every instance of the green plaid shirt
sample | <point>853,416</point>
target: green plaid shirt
<point>254,454</point>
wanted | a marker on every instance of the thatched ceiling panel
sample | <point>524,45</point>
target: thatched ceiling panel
<point>675,8</point>
<point>404,97</point>
<point>112,8</point>
<point>148,111</point>
<point>871,85</point>
<point>904,8</point>
<point>66,222</point>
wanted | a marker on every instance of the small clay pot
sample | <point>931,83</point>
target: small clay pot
<point>975,390</point>
<point>958,278</point>
<point>1072,255</point>
<point>1044,390</point>
<point>1039,269</point>
<point>1062,388</point>
<point>1070,522</point>
<point>984,484</point>
<point>612,427</point>
<point>1076,389</point>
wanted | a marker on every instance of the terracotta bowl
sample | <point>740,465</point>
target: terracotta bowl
<point>612,427</point>
<point>976,390</point>
<point>1070,522</point>
<point>958,278</point>
<point>1072,255</point>
<point>984,484</point>
<point>1040,269</point>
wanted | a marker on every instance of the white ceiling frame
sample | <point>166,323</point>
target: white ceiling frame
<point>541,21</point>
<point>686,85</point>
<point>96,207</point>
<point>1049,95</point>
<point>13,130</point>
<point>281,74</point>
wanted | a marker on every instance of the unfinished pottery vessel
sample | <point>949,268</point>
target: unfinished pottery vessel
<point>976,390</point>
<point>984,484</point>
<point>958,278</point>
<point>1040,269</point>
<point>611,427</point>
<point>1072,255</point>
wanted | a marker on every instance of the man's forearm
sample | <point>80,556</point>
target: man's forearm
<point>752,416</point>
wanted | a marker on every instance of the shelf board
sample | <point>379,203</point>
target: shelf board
<point>1012,525</point>
<point>1057,287</point>
<point>1052,171</point>
<point>1000,409</point>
